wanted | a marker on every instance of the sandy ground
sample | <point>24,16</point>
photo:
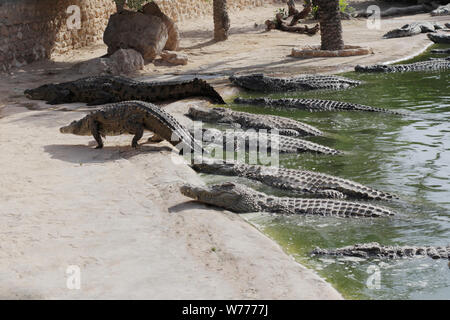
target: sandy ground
<point>117,214</point>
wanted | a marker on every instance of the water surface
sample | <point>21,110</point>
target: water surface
<point>408,155</point>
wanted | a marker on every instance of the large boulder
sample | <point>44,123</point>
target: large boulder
<point>144,33</point>
<point>173,42</point>
<point>127,60</point>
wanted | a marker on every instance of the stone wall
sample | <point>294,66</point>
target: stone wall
<point>31,30</point>
<point>180,10</point>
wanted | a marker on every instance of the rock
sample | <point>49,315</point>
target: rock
<point>97,66</point>
<point>123,61</point>
<point>173,42</point>
<point>127,60</point>
<point>174,57</point>
<point>146,34</point>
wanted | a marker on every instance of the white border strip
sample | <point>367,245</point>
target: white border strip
<point>410,56</point>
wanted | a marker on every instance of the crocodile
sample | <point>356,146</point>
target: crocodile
<point>429,65</point>
<point>441,11</point>
<point>245,120</point>
<point>439,38</point>
<point>441,51</point>
<point>262,83</point>
<point>133,117</point>
<point>252,139</point>
<point>300,181</point>
<point>242,199</point>
<point>109,89</point>
<point>310,104</point>
<point>412,29</point>
<point>375,250</point>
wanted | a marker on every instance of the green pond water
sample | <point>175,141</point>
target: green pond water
<point>408,155</point>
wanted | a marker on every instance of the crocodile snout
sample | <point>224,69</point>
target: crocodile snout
<point>64,129</point>
<point>188,191</point>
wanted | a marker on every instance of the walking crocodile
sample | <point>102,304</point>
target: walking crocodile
<point>242,199</point>
<point>262,83</point>
<point>412,29</point>
<point>300,181</point>
<point>375,250</point>
<point>244,120</point>
<point>429,65</point>
<point>109,89</point>
<point>133,117</point>
<point>238,140</point>
<point>310,104</point>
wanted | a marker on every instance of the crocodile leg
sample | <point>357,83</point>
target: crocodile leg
<point>137,136</point>
<point>95,130</point>
<point>63,97</point>
<point>135,125</point>
<point>101,98</point>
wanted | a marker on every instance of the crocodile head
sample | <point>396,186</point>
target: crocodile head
<point>207,114</point>
<point>231,196</point>
<point>80,128</point>
<point>214,166</point>
<point>47,92</point>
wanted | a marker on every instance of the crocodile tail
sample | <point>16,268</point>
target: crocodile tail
<point>168,128</point>
<point>340,208</point>
<point>209,91</point>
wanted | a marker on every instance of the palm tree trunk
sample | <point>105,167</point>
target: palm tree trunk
<point>221,20</point>
<point>330,25</point>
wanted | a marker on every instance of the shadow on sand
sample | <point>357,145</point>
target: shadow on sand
<point>87,154</point>
<point>190,205</point>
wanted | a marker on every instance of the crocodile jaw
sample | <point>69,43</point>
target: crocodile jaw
<point>76,127</point>
<point>45,92</point>
<point>191,191</point>
<point>226,195</point>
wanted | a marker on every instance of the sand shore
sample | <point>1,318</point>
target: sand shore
<point>117,214</point>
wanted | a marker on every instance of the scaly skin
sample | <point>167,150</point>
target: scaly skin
<point>412,29</point>
<point>439,38</point>
<point>441,51</point>
<point>237,140</point>
<point>375,250</point>
<point>429,65</point>
<point>110,89</point>
<point>241,199</point>
<point>300,181</point>
<point>309,104</point>
<point>244,120</point>
<point>262,83</point>
<point>132,117</point>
